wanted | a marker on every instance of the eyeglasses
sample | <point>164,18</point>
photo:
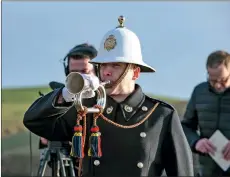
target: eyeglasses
<point>222,81</point>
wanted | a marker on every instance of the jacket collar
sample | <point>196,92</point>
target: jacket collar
<point>129,106</point>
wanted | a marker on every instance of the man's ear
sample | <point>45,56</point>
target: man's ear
<point>136,72</point>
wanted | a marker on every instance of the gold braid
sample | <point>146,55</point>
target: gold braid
<point>125,126</point>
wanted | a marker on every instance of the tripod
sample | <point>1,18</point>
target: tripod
<point>58,153</point>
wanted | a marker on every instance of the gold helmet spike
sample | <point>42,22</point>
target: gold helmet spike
<point>121,21</point>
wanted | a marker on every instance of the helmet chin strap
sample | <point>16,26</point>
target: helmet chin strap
<point>118,81</point>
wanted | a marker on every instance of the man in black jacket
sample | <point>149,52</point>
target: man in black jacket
<point>134,135</point>
<point>209,110</point>
<point>76,60</point>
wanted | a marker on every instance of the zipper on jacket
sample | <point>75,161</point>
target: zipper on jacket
<point>218,112</point>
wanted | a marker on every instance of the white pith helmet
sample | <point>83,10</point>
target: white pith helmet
<point>121,45</point>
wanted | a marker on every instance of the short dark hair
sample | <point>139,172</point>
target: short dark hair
<point>78,52</point>
<point>83,50</point>
<point>217,58</point>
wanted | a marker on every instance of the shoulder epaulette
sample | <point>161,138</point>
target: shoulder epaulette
<point>161,102</point>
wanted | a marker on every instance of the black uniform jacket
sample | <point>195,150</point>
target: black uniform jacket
<point>158,143</point>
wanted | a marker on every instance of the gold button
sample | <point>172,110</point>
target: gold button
<point>109,110</point>
<point>128,108</point>
<point>144,108</point>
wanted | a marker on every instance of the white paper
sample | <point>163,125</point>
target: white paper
<point>219,141</point>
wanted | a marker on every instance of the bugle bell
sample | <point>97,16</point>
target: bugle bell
<point>77,84</point>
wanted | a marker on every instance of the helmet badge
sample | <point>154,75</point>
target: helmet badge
<point>110,43</point>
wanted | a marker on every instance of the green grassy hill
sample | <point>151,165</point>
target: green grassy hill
<point>14,104</point>
<point>15,137</point>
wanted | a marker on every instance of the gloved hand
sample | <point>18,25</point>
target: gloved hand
<point>91,84</point>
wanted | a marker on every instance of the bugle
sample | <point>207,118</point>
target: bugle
<point>77,84</point>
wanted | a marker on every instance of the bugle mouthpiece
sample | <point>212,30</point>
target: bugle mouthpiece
<point>105,82</point>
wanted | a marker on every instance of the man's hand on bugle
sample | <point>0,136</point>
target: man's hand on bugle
<point>91,84</point>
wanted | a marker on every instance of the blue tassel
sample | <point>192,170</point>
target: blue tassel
<point>77,143</point>
<point>95,143</point>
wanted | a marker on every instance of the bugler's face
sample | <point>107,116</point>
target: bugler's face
<point>81,65</point>
<point>111,71</point>
<point>219,77</point>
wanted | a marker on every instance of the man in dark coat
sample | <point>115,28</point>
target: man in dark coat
<point>209,110</point>
<point>76,60</point>
<point>134,136</point>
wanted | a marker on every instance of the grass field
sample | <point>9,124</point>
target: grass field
<point>14,104</point>
<point>15,137</point>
